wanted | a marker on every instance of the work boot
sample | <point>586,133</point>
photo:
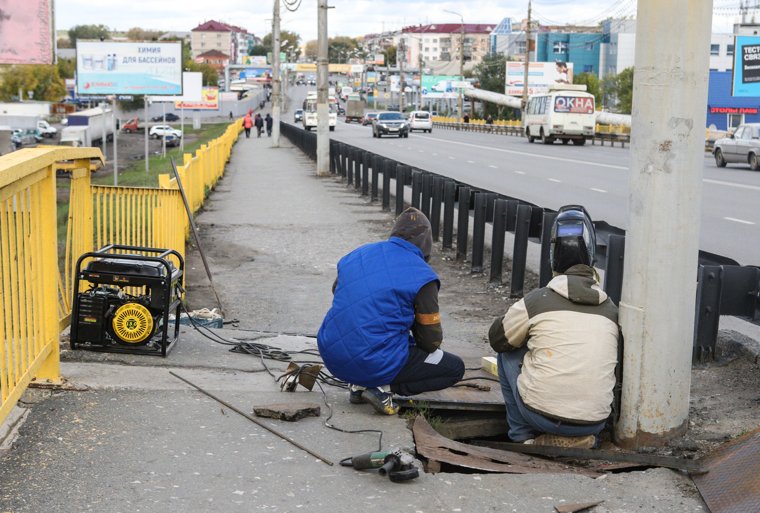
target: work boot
<point>355,394</point>
<point>574,442</point>
<point>380,400</point>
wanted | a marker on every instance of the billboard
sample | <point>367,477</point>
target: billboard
<point>746,76</point>
<point>258,61</point>
<point>440,86</point>
<point>209,100</point>
<point>26,32</point>
<point>541,75</point>
<point>192,84</point>
<point>129,68</point>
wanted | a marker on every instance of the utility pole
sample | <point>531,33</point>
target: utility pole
<point>276,83</point>
<point>527,65</point>
<point>460,98</point>
<point>323,108</point>
<point>657,306</point>
<point>402,84</point>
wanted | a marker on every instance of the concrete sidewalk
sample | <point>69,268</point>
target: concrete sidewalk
<point>138,439</point>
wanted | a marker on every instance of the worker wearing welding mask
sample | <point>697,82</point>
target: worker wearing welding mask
<point>383,333</point>
<point>557,347</point>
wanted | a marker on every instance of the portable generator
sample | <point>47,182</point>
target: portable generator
<point>132,291</point>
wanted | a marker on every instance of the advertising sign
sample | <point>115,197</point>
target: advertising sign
<point>258,61</point>
<point>440,86</point>
<point>574,105</point>
<point>746,76</point>
<point>192,84</point>
<point>26,32</point>
<point>129,68</point>
<point>541,75</point>
<point>256,74</point>
<point>379,59</point>
<point>209,100</point>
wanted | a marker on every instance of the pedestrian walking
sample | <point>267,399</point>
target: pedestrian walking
<point>268,120</point>
<point>259,122</point>
<point>247,124</point>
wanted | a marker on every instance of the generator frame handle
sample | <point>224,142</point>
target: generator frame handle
<point>161,258</point>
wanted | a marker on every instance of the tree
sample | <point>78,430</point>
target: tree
<point>491,76</point>
<point>617,91</point>
<point>340,48</point>
<point>42,80</point>
<point>293,46</point>
<point>593,86</point>
<point>88,32</point>
<point>67,68</point>
<point>64,42</point>
<point>139,34</point>
<point>311,49</point>
<point>390,55</point>
<point>258,50</point>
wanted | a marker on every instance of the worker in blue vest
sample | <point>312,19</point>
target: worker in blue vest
<point>383,333</point>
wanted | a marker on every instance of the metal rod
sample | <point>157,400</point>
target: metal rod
<point>252,419</point>
<point>478,232</point>
<point>195,234</point>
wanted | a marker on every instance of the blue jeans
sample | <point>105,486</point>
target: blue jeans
<point>525,424</point>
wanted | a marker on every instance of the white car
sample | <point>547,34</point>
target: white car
<point>157,131</point>
<point>420,120</point>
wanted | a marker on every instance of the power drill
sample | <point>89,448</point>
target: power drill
<point>398,465</point>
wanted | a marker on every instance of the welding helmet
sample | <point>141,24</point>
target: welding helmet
<point>573,239</point>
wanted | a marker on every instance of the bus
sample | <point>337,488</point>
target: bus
<point>309,119</point>
<point>567,113</point>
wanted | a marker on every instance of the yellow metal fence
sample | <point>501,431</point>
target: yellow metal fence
<point>36,289</point>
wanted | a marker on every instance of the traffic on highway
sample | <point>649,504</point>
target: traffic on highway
<point>554,175</point>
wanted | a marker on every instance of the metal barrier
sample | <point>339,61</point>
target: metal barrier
<point>728,289</point>
<point>29,281</point>
<point>610,135</point>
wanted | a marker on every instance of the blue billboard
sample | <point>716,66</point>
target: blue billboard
<point>746,77</point>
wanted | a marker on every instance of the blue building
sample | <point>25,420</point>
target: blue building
<point>725,111</point>
<point>582,49</point>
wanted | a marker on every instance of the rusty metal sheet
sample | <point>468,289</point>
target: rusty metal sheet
<point>437,448</point>
<point>462,398</point>
<point>732,481</point>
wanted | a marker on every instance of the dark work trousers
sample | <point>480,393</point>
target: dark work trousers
<point>248,132</point>
<point>417,376</point>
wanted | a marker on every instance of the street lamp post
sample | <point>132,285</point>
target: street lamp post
<point>460,98</point>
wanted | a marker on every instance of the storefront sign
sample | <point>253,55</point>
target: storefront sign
<point>733,110</point>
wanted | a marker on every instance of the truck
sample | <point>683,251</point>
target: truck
<point>45,129</point>
<point>354,109</point>
<point>310,111</point>
<point>88,127</point>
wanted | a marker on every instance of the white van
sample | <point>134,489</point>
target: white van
<point>565,114</point>
<point>420,120</point>
<point>309,118</point>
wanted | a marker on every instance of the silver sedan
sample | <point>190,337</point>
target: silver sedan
<point>741,147</point>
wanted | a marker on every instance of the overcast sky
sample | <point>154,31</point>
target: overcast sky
<point>348,17</point>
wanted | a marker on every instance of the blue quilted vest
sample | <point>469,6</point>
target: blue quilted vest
<point>365,336</point>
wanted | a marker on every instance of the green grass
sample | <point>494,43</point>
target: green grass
<point>135,175</point>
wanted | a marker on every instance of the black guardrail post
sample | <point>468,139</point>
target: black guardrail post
<point>365,159</point>
<point>709,288</point>
<point>400,179</point>
<point>357,168</point>
<point>427,193</point>
<point>490,199</point>
<point>497,240</point>
<point>463,222</point>
<point>545,266</point>
<point>520,251</point>
<point>416,187</point>
<point>333,150</point>
<point>375,162</point>
<point>449,194</point>
<point>613,272</point>
<point>351,165</point>
<point>512,214</point>
<point>479,231</point>
<point>435,208</point>
<point>386,166</point>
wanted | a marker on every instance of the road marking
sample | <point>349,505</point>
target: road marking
<point>597,190</point>
<point>493,167</point>
<point>451,158</point>
<point>435,154</point>
<point>519,172</point>
<point>742,221</point>
<point>537,155</point>
<point>470,161</point>
<point>554,180</point>
<point>731,184</point>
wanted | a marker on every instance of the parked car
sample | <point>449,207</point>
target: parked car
<point>368,118</point>
<point>172,140</point>
<point>170,117</point>
<point>298,116</point>
<point>21,137</point>
<point>45,129</point>
<point>157,131</point>
<point>741,147</point>
<point>420,120</point>
<point>390,123</point>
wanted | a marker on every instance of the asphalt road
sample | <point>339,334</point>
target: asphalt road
<point>552,176</point>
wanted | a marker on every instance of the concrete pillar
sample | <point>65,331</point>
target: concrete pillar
<point>657,304</point>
